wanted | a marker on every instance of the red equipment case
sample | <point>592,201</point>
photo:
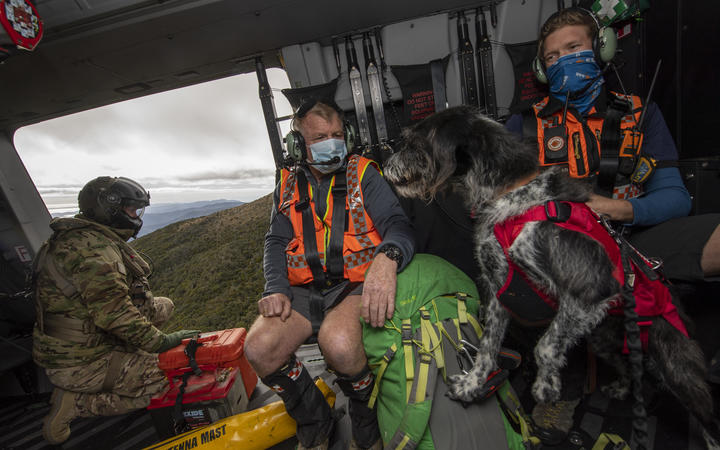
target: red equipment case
<point>223,389</point>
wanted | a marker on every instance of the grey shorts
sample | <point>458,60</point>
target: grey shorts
<point>679,243</point>
<point>309,301</point>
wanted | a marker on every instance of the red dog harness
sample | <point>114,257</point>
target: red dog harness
<point>531,305</point>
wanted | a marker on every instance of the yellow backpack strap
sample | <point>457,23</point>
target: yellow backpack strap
<point>387,357</point>
<point>403,443</point>
<point>407,341</point>
<point>511,406</point>
<point>463,315</point>
<point>615,442</point>
<point>431,348</point>
<point>462,307</point>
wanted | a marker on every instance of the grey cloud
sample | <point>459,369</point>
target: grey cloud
<point>240,174</point>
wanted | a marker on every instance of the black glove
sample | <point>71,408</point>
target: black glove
<point>174,339</point>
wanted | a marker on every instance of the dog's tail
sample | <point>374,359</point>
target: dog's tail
<point>682,366</point>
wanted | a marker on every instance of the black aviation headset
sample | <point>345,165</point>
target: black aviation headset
<point>604,45</point>
<point>294,141</point>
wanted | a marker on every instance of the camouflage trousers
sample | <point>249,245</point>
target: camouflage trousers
<point>135,378</point>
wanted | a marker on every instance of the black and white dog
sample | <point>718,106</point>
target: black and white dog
<point>461,149</point>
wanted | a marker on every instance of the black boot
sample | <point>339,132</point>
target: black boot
<point>304,402</point>
<point>358,389</point>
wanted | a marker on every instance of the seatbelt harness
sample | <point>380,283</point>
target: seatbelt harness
<point>466,58</point>
<point>358,93</point>
<point>334,255</point>
<point>311,250</point>
<point>485,65</point>
<point>373,77</point>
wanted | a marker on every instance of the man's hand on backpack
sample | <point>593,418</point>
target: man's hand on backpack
<point>378,298</point>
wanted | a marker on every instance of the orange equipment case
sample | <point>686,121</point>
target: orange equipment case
<point>214,394</point>
<point>219,349</point>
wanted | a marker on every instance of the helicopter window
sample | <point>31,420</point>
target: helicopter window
<point>203,142</point>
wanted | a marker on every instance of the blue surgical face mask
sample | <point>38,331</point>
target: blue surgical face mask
<point>325,151</point>
<point>579,74</point>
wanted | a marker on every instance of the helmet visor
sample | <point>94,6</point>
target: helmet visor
<point>134,208</point>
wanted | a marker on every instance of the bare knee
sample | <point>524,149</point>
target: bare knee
<point>270,342</point>
<point>262,351</point>
<point>343,350</point>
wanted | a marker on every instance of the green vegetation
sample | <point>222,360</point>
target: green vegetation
<point>211,266</point>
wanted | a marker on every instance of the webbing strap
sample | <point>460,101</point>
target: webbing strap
<point>463,316</point>
<point>512,408</point>
<point>308,224</point>
<point>179,422</point>
<point>433,343</point>
<point>437,72</point>
<point>424,355</point>
<point>317,311</point>
<point>113,371</point>
<point>403,443</point>
<point>68,328</point>
<point>462,307</point>
<point>610,140</point>
<point>475,324</point>
<point>408,351</point>
<point>606,439</point>
<point>387,357</point>
<point>335,262</point>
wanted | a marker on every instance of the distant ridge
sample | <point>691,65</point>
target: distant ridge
<point>211,266</point>
<point>163,214</point>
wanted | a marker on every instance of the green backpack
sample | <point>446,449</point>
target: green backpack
<point>429,336</point>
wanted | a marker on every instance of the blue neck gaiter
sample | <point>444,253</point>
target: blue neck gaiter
<point>579,74</point>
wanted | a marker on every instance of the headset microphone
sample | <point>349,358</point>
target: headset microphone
<point>333,160</point>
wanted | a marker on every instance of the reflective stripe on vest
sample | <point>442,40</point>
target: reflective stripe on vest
<point>359,240</point>
<point>582,161</point>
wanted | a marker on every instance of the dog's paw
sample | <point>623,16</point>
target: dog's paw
<point>546,390</point>
<point>463,388</point>
<point>618,389</point>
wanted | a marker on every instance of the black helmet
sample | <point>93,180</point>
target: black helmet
<point>104,200</point>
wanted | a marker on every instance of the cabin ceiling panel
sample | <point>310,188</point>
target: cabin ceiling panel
<point>96,52</point>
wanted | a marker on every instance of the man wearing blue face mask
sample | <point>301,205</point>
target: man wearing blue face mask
<point>596,134</point>
<point>337,239</point>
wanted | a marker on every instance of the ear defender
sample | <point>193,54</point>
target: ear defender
<point>295,146</point>
<point>605,44</point>
<point>350,136</point>
<point>538,69</point>
<point>604,47</point>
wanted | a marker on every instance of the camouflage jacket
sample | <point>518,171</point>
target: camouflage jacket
<point>110,299</point>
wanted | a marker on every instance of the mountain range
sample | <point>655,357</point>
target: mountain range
<point>163,214</point>
<point>210,266</point>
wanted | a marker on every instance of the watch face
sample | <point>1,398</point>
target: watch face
<point>393,253</point>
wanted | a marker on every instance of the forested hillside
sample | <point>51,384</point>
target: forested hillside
<point>211,266</point>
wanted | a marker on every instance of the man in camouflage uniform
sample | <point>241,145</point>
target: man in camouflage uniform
<point>96,333</point>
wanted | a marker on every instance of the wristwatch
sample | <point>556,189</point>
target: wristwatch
<point>393,252</point>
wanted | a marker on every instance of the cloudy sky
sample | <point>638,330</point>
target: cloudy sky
<point>203,142</point>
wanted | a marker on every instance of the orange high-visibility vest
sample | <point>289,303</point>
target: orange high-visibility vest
<point>360,237</point>
<point>584,152</point>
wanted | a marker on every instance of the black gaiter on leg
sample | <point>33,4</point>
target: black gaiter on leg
<point>358,389</point>
<point>303,400</point>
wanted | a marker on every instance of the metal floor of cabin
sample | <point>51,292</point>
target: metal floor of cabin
<point>669,426</point>
<point>21,427</point>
